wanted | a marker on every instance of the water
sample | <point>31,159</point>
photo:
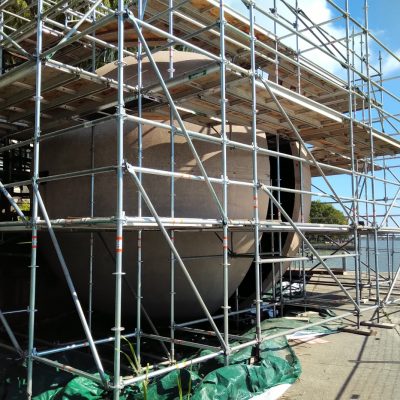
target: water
<point>388,256</point>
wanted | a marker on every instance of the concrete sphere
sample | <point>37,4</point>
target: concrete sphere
<point>201,251</point>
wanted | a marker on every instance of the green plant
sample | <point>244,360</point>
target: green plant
<point>136,366</point>
<point>25,205</point>
<point>189,394</point>
<point>131,358</point>
<point>146,383</point>
<point>180,386</point>
<point>179,382</point>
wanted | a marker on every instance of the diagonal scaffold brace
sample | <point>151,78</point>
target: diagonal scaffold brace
<point>10,334</point>
<point>307,150</point>
<point>311,247</point>
<point>72,289</point>
<point>149,204</point>
<point>175,112</point>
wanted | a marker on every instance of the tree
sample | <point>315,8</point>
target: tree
<point>325,213</point>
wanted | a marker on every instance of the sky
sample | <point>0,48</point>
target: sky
<point>384,23</point>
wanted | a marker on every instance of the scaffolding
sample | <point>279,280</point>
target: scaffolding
<point>264,76</point>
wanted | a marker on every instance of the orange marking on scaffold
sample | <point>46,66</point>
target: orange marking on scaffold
<point>118,245</point>
<point>255,202</point>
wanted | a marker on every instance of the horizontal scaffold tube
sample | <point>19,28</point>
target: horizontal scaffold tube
<point>181,175</point>
<point>290,259</point>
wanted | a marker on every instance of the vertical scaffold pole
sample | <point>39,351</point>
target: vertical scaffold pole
<point>385,166</point>
<point>92,162</point>
<point>140,202</point>
<point>91,240</point>
<point>34,217</point>
<point>172,188</point>
<point>226,307</point>
<point>353,159</point>
<point>367,239</point>
<point>302,263</point>
<point>279,216</point>
<point>278,168</point>
<point>255,174</point>
<point>120,211</point>
<point>298,49</point>
<point>357,180</point>
<point>274,252</point>
<point>372,149</point>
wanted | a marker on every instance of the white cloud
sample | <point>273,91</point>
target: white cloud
<point>318,11</point>
<point>390,65</point>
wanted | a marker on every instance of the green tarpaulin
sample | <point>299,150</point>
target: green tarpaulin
<point>242,379</point>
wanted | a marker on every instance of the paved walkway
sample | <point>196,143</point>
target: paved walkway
<point>350,366</point>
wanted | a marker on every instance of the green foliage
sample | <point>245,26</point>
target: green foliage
<point>134,363</point>
<point>324,213</point>
<point>20,7</point>
<point>111,3</point>
<point>179,383</point>
<point>132,359</point>
<point>25,205</point>
<point>145,384</point>
<point>11,23</point>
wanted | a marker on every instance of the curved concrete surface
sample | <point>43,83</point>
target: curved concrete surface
<point>202,251</point>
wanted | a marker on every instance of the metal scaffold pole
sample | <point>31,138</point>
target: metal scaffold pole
<point>225,264</point>
<point>91,200</point>
<point>34,217</point>
<point>120,117</point>
<point>256,183</point>
<point>353,163</point>
<point>172,188</point>
<point>140,209</point>
<point>372,148</point>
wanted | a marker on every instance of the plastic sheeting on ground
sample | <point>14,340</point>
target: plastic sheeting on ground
<point>242,379</point>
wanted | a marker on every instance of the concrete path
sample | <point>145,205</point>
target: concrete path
<point>350,366</point>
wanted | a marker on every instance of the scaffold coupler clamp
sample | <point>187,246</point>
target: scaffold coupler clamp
<point>125,13</point>
<point>355,225</point>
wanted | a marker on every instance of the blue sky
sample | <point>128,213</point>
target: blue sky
<point>384,23</point>
<point>383,19</point>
